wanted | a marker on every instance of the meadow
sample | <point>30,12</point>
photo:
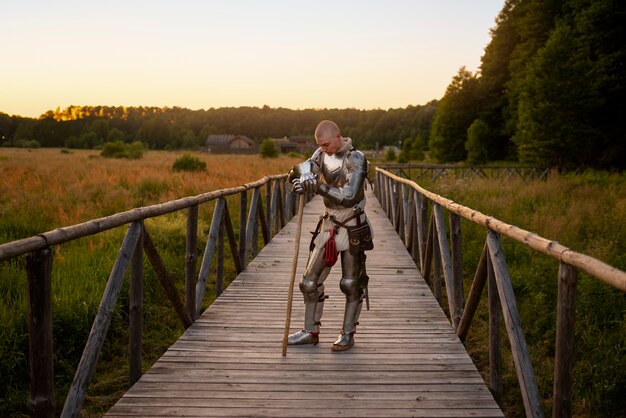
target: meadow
<point>587,213</point>
<point>47,188</point>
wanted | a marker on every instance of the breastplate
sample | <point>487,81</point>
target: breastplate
<point>332,170</point>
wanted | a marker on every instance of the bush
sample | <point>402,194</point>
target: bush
<point>268,149</point>
<point>118,149</point>
<point>27,143</point>
<point>188,162</point>
<point>390,155</point>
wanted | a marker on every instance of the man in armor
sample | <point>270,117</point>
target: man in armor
<point>337,171</point>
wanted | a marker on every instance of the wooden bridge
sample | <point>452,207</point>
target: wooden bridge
<point>407,360</point>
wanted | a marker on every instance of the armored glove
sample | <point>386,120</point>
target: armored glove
<point>308,181</point>
<point>297,186</point>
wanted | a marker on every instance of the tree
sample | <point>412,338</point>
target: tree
<point>555,109</point>
<point>268,149</point>
<point>456,111</point>
<point>477,142</point>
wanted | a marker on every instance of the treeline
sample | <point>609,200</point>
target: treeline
<point>550,89</point>
<point>176,128</point>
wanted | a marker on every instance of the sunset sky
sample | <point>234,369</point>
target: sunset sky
<point>200,54</point>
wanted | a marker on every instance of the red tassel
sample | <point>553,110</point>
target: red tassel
<point>331,250</point>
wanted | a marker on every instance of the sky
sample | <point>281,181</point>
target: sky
<point>199,54</point>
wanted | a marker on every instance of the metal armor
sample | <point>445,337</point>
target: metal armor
<point>340,180</point>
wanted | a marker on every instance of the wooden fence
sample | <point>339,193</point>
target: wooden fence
<point>407,205</point>
<point>280,207</point>
<point>432,172</point>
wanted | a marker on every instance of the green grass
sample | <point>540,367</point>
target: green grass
<point>80,272</point>
<point>586,212</point>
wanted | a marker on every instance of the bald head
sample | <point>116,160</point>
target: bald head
<point>326,129</point>
<point>327,137</point>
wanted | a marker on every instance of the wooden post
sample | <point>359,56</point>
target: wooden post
<point>243,257</point>
<point>76,395</point>
<point>219,273</point>
<point>268,204</point>
<point>422,229</point>
<point>436,267</point>
<point>564,352</point>
<point>191,257</point>
<point>251,225</point>
<point>446,263</point>
<point>231,239</point>
<point>519,349</point>
<point>135,320</point>
<point>166,282</point>
<point>495,353</point>
<point>478,284</point>
<point>456,250</point>
<point>207,258</point>
<point>40,353</point>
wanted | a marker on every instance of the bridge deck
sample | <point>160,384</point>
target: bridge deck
<point>406,360</point>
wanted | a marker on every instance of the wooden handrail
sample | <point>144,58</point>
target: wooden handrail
<point>137,243</point>
<point>432,253</point>
<point>593,266</point>
<point>94,226</point>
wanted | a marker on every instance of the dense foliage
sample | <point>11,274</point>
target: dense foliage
<point>550,89</point>
<point>89,127</point>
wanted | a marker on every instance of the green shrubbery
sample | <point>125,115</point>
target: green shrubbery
<point>119,149</point>
<point>188,162</point>
<point>268,149</point>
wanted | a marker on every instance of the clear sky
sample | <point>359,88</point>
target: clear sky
<point>199,54</point>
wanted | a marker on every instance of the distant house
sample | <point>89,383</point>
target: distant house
<point>299,144</point>
<point>229,143</point>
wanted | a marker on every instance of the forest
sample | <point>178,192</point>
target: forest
<point>549,91</point>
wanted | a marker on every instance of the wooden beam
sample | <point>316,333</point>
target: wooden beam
<point>207,258</point>
<point>519,349</point>
<point>191,257</point>
<point>135,314</point>
<point>87,364</point>
<point>40,345</point>
<point>165,279</point>
<point>564,351</point>
<point>473,299</point>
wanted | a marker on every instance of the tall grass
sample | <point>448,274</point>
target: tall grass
<point>45,189</point>
<point>585,212</point>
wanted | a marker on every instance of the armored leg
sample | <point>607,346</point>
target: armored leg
<point>312,288</point>
<point>350,286</point>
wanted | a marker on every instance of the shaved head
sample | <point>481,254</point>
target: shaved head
<point>327,137</point>
<point>326,129</point>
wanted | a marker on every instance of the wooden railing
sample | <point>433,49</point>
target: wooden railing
<point>280,207</point>
<point>407,205</point>
<point>432,172</point>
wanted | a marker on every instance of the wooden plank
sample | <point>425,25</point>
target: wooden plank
<point>406,361</point>
<point>101,323</point>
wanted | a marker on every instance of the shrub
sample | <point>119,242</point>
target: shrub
<point>118,149</point>
<point>188,162</point>
<point>268,149</point>
<point>27,143</point>
<point>390,155</point>
<point>115,149</point>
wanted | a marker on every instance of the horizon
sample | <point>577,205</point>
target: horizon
<point>363,55</point>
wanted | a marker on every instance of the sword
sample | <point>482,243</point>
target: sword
<point>363,281</point>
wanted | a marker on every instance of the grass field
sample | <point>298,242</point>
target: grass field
<point>47,188</point>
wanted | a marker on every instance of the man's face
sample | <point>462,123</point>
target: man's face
<point>329,145</point>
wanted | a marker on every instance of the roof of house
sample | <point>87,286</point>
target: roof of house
<point>226,139</point>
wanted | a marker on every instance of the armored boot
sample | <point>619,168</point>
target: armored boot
<point>312,317</point>
<point>354,301</point>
